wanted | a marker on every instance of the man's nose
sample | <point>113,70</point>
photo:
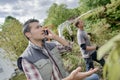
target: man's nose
<point>41,28</point>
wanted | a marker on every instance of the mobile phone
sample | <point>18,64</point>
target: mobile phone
<point>46,32</point>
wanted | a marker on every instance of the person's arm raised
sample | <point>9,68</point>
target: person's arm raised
<point>62,41</point>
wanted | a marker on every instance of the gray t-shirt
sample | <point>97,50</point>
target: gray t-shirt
<point>82,38</point>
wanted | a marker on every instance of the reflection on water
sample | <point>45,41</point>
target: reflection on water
<point>6,68</point>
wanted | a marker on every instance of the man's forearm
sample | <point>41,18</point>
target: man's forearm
<point>60,40</point>
<point>89,48</point>
<point>67,78</point>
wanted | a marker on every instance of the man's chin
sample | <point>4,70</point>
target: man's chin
<point>44,39</point>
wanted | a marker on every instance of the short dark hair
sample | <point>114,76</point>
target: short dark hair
<point>76,23</point>
<point>26,27</point>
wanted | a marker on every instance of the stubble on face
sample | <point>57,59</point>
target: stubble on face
<point>37,32</point>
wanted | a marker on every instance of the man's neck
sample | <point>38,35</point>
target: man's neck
<point>81,29</point>
<point>37,43</point>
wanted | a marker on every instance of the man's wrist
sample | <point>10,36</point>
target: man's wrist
<point>54,37</point>
<point>67,78</point>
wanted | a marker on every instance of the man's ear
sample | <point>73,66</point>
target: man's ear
<point>28,34</point>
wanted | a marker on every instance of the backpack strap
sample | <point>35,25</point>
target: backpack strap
<point>19,63</point>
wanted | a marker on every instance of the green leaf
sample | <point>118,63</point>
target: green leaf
<point>106,48</point>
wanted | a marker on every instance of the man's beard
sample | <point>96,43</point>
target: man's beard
<point>44,40</point>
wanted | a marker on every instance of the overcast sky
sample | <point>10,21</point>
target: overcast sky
<point>26,9</point>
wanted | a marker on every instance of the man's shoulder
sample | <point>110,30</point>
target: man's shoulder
<point>26,51</point>
<point>51,45</point>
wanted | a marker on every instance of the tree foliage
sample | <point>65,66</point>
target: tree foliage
<point>11,37</point>
<point>86,5</point>
<point>58,14</point>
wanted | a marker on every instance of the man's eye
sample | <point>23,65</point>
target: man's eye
<point>38,26</point>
